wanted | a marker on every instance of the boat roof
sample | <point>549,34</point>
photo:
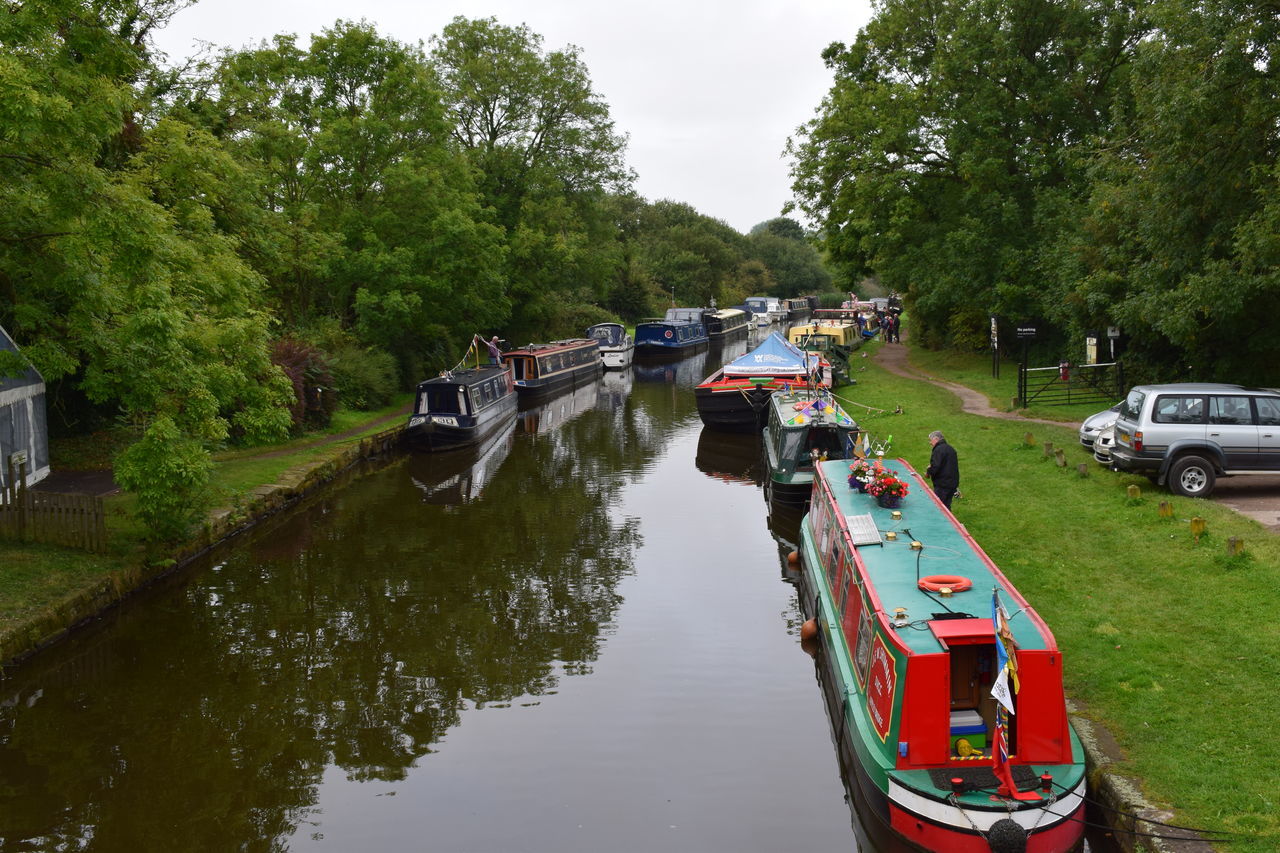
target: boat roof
<point>807,407</point>
<point>466,375</point>
<point>892,567</point>
<point>541,349</point>
<point>775,356</point>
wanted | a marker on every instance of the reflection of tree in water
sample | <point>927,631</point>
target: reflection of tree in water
<point>353,633</point>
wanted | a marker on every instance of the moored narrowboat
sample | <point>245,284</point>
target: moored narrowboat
<point>736,396</point>
<point>726,323</point>
<point>617,347</point>
<point>461,408</point>
<point>804,426</point>
<point>832,339</point>
<point>943,684</point>
<point>657,339</point>
<point>544,370</point>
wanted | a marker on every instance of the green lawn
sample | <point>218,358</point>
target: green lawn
<point>1170,643</point>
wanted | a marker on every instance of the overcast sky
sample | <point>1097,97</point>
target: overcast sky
<point>706,90</point>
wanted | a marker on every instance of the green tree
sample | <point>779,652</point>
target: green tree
<point>793,262</point>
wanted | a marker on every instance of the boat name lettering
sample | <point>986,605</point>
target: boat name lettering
<point>445,420</point>
<point>880,688</point>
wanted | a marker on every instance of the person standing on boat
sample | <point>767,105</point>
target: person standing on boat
<point>944,468</point>
<point>495,353</point>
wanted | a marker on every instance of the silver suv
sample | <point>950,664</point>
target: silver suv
<point>1187,435</point>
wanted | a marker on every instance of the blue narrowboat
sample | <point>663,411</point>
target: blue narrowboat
<point>676,338</point>
<point>461,408</point>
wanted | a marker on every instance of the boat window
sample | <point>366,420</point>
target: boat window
<point>475,399</point>
<point>486,392</point>
<point>793,449</point>
<point>442,399</point>
<point>862,651</point>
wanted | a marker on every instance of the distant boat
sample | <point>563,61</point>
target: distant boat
<point>665,338</point>
<point>726,323</point>
<point>759,306</point>
<point>914,624</point>
<point>544,370</point>
<point>804,427</point>
<point>834,339</point>
<point>617,347</point>
<point>736,396</point>
<point>461,408</point>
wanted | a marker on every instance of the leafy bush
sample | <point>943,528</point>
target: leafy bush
<point>363,378</point>
<point>169,474</point>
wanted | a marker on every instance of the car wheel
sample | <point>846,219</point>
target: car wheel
<point>1191,476</point>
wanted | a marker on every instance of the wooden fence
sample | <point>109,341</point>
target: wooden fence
<point>76,521</point>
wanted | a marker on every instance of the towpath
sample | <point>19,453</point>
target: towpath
<point>1255,496</point>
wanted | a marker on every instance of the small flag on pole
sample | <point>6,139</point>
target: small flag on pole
<point>1006,686</point>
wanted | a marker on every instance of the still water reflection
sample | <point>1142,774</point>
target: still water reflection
<point>574,638</point>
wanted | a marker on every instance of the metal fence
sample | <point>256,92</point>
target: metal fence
<point>1071,383</point>
<point>76,521</point>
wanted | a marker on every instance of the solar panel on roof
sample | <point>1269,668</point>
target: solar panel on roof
<point>863,530</point>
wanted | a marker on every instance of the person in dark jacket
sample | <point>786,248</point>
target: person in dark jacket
<point>944,468</point>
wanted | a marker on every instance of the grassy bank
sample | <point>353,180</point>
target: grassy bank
<point>1169,642</point>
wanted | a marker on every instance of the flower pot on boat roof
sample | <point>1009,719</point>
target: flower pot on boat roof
<point>889,501</point>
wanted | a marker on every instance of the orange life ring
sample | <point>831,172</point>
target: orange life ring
<point>935,583</point>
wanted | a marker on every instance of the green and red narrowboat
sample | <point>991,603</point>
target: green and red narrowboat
<point>904,605</point>
<point>736,397</point>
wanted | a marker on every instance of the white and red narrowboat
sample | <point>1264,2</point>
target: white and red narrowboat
<point>541,371</point>
<point>943,684</point>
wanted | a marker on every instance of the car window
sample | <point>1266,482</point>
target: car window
<point>1230,410</point>
<point>1178,409</point>
<point>1131,406</point>
<point>1268,410</point>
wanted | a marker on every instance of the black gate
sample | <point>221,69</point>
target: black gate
<point>1070,383</point>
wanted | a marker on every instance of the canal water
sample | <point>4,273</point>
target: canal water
<point>578,638</point>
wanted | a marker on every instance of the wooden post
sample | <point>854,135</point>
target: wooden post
<point>1197,527</point>
<point>1029,439</point>
<point>21,483</point>
<point>1134,490</point>
<point>1060,457</point>
<point>1048,449</point>
<point>1166,509</point>
<point>1235,546</point>
<point>1083,469</point>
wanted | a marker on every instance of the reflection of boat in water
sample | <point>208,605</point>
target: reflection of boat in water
<point>461,408</point>
<point>683,373</point>
<point>559,410</point>
<point>453,479</point>
<point>915,669</point>
<point>732,457</point>
<point>803,426</point>
<point>614,389</point>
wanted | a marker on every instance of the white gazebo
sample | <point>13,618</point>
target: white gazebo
<point>24,432</point>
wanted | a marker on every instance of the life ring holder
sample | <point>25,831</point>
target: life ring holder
<point>937,583</point>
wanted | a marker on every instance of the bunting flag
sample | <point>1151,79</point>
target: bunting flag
<point>1006,686</point>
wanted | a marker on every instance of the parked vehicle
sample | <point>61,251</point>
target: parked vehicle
<point>1103,443</point>
<point>1095,424</point>
<point>1186,435</point>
